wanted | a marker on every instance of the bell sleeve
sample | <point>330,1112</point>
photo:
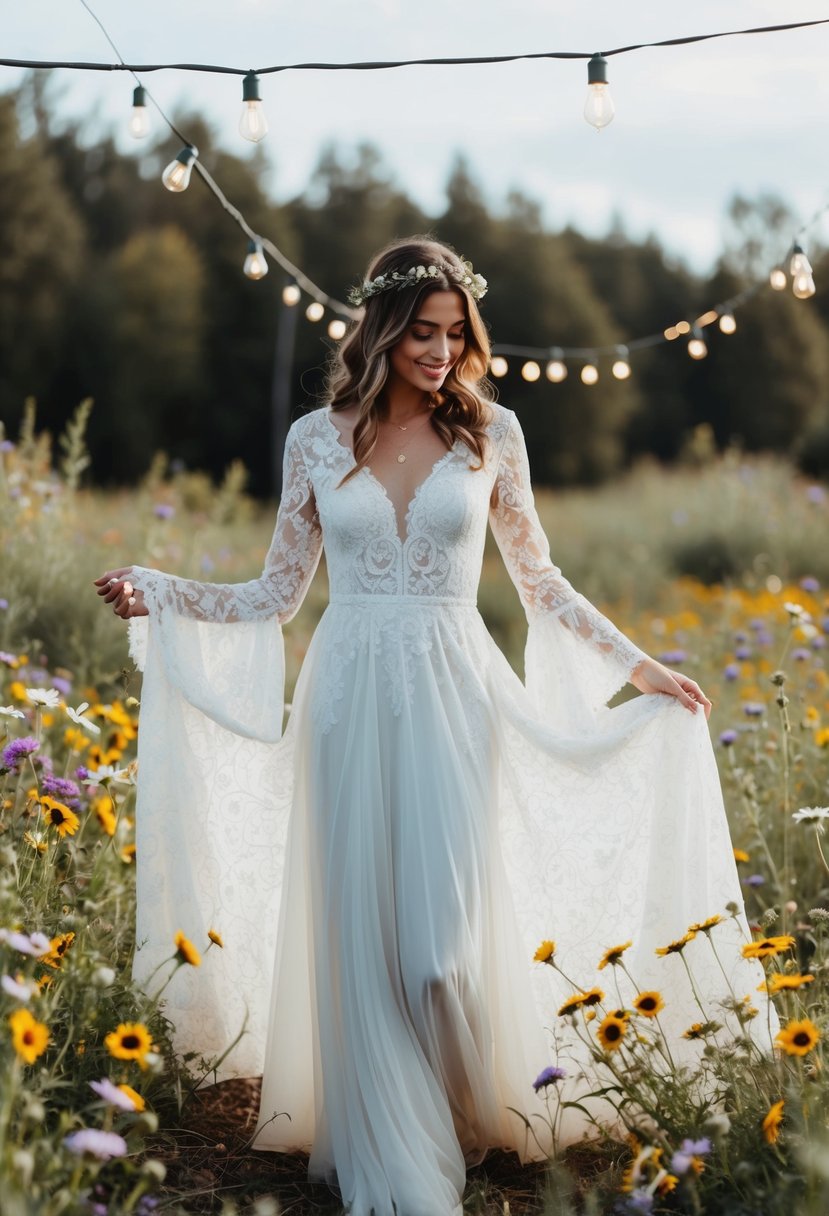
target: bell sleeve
<point>575,658</point>
<point>214,783</point>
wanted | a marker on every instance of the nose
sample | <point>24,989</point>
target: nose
<point>439,348</point>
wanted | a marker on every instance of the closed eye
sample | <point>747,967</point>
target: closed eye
<point>425,337</point>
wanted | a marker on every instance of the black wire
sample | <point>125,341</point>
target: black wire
<point>380,65</point>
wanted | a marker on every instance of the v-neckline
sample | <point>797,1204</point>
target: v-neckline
<point>346,447</point>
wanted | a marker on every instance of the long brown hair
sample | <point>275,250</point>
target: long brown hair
<point>358,369</point>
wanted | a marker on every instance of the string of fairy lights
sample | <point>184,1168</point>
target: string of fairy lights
<point>549,362</point>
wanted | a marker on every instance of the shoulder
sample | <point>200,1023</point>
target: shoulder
<point>309,424</point>
<point>502,424</point>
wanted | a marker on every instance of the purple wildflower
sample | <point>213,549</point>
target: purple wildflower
<point>742,652</point>
<point>698,1148</point>
<point>62,685</point>
<point>639,1202</point>
<point>810,584</point>
<point>8,659</point>
<point>757,622</point>
<point>207,564</point>
<point>3,604</point>
<point>164,510</point>
<point>81,773</point>
<point>102,1145</point>
<point>754,880</point>
<point>16,752</point>
<point>740,636</point>
<point>800,654</point>
<point>731,671</point>
<point>548,1076</point>
<point>6,446</point>
<point>816,494</point>
<point>673,656</point>
<point>754,709</point>
<point>727,737</point>
<point>63,789</point>
<point>112,1094</point>
<point>818,642</point>
<point>763,637</point>
<point>824,624</point>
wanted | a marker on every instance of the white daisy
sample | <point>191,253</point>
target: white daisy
<point>11,711</point>
<point>49,697</point>
<point>77,716</point>
<point>21,991</point>
<point>811,814</point>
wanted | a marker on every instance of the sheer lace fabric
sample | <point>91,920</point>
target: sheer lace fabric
<point>383,870</point>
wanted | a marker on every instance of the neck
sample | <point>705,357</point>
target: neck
<point>406,403</point>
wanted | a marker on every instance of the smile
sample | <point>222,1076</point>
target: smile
<point>432,369</point>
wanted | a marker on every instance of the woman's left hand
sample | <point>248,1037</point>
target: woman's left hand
<point>651,676</point>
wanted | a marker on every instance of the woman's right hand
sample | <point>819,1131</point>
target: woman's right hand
<point>128,602</point>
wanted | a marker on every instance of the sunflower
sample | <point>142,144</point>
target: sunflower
<point>704,926</point>
<point>131,1041</point>
<point>700,1029</point>
<point>741,855</point>
<point>648,1004</point>
<point>544,952</point>
<point>612,956</point>
<point>135,1098</point>
<point>772,1121</point>
<point>105,814</point>
<point>782,983</point>
<point>29,1037</point>
<point>58,947</point>
<point>667,1184</point>
<point>798,1038</point>
<point>187,952</point>
<point>767,947</point>
<point>574,1002</point>
<point>215,937</point>
<point>611,1032</point>
<point>56,815</point>
<point>678,946</point>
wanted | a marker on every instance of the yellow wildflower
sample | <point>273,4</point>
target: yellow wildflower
<point>772,1121</point>
<point>798,1038</point>
<point>612,956</point>
<point>29,1037</point>
<point>187,952</point>
<point>131,1041</point>
<point>544,952</point>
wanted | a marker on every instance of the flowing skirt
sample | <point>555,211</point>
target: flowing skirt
<point>396,858</point>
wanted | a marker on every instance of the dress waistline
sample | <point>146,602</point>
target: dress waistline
<point>423,601</point>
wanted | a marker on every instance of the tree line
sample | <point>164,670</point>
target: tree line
<point>112,288</point>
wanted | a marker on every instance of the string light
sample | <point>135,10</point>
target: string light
<point>139,123</point>
<point>531,371</point>
<point>727,323</point>
<point>253,124</point>
<point>255,265</point>
<point>803,284</point>
<point>589,373</point>
<point>499,366</point>
<point>697,348</point>
<point>599,109</point>
<point>621,366</point>
<point>777,279</point>
<point>336,329</point>
<point>315,311</point>
<point>556,369</point>
<point>291,295</point>
<point>176,176</point>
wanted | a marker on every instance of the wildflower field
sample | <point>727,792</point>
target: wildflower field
<point>719,567</point>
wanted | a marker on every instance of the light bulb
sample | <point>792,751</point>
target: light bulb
<point>803,286</point>
<point>499,366</point>
<point>589,373</point>
<point>255,265</point>
<point>777,279</point>
<point>799,263</point>
<point>727,323</point>
<point>176,176</point>
<point>336,329</point>
<point>683,327</point>
<point>598,108</point>
<point>253,124</point>
<point>291,295</point>
<point>531,371</point>
<point>315,311</point>
<point>696,347</point>
<point>556,371</point>
<point>139,124</point>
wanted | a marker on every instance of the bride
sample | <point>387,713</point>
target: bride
<point>382,871</point>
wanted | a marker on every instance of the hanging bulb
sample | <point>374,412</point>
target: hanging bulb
<point>336,329</point>
<point>589,373</point>
<point>556,371</point>
<point>253,124</point>
<point>777,279</point>
<point>315,311</point>
<point>697,348</point>
<point>803,286</point>
<point>531,371</point>
<point>139,124</point>
<point>255,265</point>
<point>176,176</point>
<point>799,263</point>
<point>599,108</point>
<point>499,366</point>
<point>727,323</point>
<point>291,295</point>
<point>621,366</point>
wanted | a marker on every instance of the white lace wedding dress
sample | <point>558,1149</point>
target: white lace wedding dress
<point>382,872</point>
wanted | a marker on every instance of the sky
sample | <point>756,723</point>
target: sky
<point>694,125</point>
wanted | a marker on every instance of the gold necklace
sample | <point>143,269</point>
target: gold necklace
<point>401,458</point>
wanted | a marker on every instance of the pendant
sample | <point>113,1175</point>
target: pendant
<point>400,458</point>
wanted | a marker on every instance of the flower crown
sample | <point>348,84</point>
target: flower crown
<point>474,283</point>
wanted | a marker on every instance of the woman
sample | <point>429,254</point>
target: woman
<point>382,872</point>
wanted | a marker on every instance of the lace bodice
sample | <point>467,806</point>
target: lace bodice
<point>438,560</point>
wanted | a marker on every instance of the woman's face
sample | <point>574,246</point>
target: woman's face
<point>434,340</point>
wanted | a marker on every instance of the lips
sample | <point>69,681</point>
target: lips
<point>433,369</point>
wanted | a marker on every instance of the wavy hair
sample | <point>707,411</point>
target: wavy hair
<point>359,368</point>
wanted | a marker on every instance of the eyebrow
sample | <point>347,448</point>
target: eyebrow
<point>434,324</point>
